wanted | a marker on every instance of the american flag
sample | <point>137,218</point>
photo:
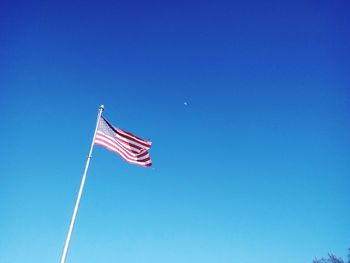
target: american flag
<point>130,147</point>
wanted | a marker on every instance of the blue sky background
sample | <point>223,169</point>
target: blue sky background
<point>255,168</point>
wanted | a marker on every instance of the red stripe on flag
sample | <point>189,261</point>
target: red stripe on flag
<point>133,138</point>
<point>110,143</point>
<point>146,162</point>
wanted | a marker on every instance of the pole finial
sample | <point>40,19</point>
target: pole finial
<point>102,107</point>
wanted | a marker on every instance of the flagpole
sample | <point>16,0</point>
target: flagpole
<point>75,211</point>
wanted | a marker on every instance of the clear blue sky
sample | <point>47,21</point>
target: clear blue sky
<point>255,168</point>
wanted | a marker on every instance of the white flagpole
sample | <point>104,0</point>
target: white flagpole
<point>71,226</point>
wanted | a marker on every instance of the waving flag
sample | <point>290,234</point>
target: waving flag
<point>130,147</point>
